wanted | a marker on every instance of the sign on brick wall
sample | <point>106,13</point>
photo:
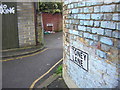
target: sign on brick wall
<point>79,57</point>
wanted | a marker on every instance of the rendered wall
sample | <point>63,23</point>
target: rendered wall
<point>91,29</point>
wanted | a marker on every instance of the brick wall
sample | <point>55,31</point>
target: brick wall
<point>26,25</point>
<point>55,19</point>
<point>94,28</point>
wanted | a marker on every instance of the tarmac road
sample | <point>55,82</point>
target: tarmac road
<point>22,72</point>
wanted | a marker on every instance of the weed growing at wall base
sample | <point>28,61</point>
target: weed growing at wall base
<point>59,70</point>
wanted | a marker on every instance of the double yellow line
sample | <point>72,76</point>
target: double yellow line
<point>24,56</point>
<point>33,84</point>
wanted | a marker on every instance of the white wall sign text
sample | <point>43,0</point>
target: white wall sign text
<point>79,57</point>
<point>4,9</point>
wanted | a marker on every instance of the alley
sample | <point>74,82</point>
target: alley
<point>22,72</point>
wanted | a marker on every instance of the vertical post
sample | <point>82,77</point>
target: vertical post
<point>42,28</point>
<point>38,5</point>
<point>35,21</point>
<point>1,52</point>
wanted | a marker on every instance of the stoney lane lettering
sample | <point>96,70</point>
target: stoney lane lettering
<point>5,10</point>
<point>79,57</point>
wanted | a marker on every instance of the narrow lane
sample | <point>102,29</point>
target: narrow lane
<point>22,72</point>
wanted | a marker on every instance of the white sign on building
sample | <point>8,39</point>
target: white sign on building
<point>79,57</point>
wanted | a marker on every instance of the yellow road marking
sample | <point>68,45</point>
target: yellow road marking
<point>24,56</point>
<point>33,84</point>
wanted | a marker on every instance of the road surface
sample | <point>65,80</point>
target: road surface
<point>22,72</point>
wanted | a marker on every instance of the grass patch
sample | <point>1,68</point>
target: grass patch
<point>59,70</point>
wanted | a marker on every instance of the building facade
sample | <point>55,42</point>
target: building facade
<point>91,43</point>
<point>19,26</point>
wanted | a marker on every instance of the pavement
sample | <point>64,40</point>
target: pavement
<point>54,81</point>
<point>21,70</point>
<point>58,83</point>
<point>20,51</point>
